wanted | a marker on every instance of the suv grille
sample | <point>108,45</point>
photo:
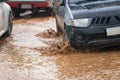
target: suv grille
<point>101,21</point>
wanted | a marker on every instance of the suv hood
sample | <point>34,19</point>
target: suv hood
<point>94,5</point>
<point>93,9</point>
<point>26,0</point>
<point>107,11</point>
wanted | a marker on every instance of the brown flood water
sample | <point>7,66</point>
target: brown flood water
<point>34,52</point>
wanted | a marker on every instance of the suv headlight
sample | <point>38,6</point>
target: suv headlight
<point>80,22</point>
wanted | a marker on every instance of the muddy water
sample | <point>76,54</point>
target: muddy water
<point>35,52</point>
<point>89,66</point>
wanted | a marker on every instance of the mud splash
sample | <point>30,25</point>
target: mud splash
<point>56,45</point>
<point>49,33</point>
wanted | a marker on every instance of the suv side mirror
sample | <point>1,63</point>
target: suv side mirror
<point>57,2</point>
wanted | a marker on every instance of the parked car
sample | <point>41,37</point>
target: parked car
<point>88,23</point>
<point>20,6</point>
<point>5,20</point>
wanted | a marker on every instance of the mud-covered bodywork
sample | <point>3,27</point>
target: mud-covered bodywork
<point>90,23</point>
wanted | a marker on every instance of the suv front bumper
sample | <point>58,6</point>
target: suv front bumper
<point>93,36</point>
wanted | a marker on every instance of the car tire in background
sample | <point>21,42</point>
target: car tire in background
<point>49,11</point>
<point>16,13</point>
<point>52,13</point>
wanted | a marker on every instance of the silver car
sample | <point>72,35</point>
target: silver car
<point>5,20</point>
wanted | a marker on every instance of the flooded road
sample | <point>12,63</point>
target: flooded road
<point>34,52</point>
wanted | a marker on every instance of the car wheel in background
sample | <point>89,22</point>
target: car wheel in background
<point>49,12</point>
<point>16,13</point>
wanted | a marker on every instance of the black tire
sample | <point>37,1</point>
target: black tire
<point>35,13</point>
<point>9,30</point>
<point>49,11</point>
<point>75,46</point>
<point>16,13</point>
<point>52,12</point>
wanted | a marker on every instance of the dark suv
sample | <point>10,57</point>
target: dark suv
<point>88,23</point>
